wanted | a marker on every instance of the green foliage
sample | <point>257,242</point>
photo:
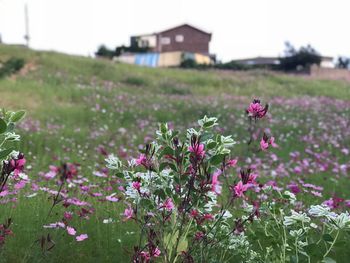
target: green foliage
<point>343,63</point>
<point>299,59</point>
<point>8,137</point>
<point>11,66</point>
<point>103,51</point>
<point>132,49</point>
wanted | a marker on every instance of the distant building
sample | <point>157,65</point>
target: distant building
<point>327,62</point>
<point>169,47</point>
<point>258,61</point>
<point>184,38</point>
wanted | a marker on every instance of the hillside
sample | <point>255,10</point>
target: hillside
<point>80,109</point>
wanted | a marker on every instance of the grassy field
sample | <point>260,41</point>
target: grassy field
<point>79,108</point>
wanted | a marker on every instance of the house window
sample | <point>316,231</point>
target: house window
<point>179,38</point>
<point>144,43</point>
<point>165,40</point>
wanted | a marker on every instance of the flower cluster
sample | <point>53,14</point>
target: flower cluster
<point>256,110</point>
<point>172,189</point>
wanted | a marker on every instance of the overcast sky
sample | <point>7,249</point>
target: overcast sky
<point>240,28</point>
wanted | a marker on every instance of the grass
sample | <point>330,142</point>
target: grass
<point>75,104</point>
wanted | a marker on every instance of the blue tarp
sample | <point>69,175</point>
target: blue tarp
<point>147,59</point>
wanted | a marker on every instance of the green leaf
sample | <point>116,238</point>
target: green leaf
<point>312,249</point>
<point>211,145</point>
<point>183,244</point>
<point>163,127</point>
<point>146,204</point>
<point>3,126</point>
<point>5,153</point>
<point>217,159</point>
<point>172,167</point>
<point>327,238</point>
<point>120,175</point>
<point>162,166</point>
<point>18,116</point>
<point>10,127</point>
<point>160,193</point>
<point>166,151</point>
<point>208,124</point>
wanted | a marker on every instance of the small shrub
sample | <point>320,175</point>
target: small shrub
<point>11,66</point>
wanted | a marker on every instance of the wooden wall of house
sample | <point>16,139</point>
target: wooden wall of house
<point>194,40</point>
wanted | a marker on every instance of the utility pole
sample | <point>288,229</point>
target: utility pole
<point>26,36</point>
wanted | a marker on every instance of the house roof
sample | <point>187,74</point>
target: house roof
<point>169,29</point>
<point>185,25</point>
<point>258,60</point>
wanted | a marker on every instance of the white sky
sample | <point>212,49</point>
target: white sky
<point>241,28</point>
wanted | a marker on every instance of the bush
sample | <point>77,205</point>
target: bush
<point>11,66</point>
<point>232,65</point>
<point>132,49</point>
<point>103,51</point>
<point>299,59</point>
<point>343,62</point>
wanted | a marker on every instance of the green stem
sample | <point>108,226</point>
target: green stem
<point>296,250</point>
<point>330,248</point>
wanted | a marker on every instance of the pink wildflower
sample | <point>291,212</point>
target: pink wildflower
<point>240,188</point>
<point>248,178</point>
<point>256,110</point>
<point>17,164</point>
<point>21,184</point>
<point>315,193</point>
<point>168,204</point>
<point>232,163</point>
<point>196,148</point>
<point>294,188</point>
<point>4,193</point>
<point>71,231</point>
<point>141,160</point>
<point>194,213</point>
<point>208,216</point>
<point>68,215</point>
<point>215,183</point>
<point>136,185</point>
<point>266,142</point>
<point>156,252</point>
<point>111,198</point>
<point>128,213</point>
<point>81,237</point>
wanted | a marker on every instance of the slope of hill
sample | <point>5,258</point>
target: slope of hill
<point>79,109</point>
